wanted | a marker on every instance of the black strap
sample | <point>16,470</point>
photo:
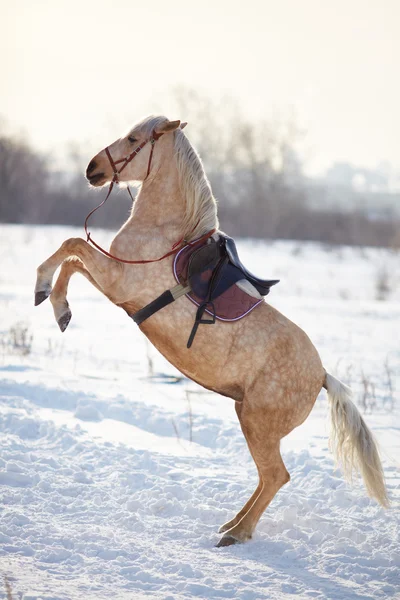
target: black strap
<point>199,320</point>
<point>208,302</point>
<point>157,304</point>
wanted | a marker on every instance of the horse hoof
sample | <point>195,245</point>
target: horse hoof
<point>41,297</point>
<point>227,540</point>
<point>64,320</point>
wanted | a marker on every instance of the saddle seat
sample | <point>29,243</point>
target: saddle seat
<point>220,256</point>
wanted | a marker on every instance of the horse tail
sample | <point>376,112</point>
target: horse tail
<point>352,442</point>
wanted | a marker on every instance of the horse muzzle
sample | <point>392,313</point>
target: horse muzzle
<point>95,179</point>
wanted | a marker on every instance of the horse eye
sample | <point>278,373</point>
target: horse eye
<point>131,139</point>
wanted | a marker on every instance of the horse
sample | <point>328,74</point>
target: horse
<point>264,362</point>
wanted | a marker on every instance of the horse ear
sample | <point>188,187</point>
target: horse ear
<point>183,124</point>
<point>168,126</point>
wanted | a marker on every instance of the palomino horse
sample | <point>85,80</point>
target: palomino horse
<point>264,362</point>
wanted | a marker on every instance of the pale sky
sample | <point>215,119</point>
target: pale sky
<point>85,70</point>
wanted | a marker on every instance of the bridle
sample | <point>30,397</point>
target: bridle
<point>154,137</point>
<point>116,172</point>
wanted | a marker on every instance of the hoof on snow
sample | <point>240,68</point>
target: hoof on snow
<point>41,297</point>
<point>227,540</point>
<point>64,320</point>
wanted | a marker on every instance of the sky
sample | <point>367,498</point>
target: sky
<point>83,71</point>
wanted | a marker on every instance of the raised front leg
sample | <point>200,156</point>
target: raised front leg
<point>100,270</point>
<point>58,296</point>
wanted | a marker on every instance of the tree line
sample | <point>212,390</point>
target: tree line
<point>254,171</point>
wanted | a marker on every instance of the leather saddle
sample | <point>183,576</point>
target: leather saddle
<point>221,256</point>
<point>213,269</point>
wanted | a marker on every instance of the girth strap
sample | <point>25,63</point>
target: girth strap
<point>166,298</point>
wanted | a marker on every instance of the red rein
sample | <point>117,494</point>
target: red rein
<point>177,246</point>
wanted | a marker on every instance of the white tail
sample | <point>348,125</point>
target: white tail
<point>352,442</point>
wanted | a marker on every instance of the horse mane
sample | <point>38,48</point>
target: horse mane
<point>201,206</point>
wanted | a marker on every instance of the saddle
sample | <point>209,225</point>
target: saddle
<point>222,256</point>
<point>207,274</point>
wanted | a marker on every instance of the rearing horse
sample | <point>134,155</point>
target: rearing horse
<point>264,362</point>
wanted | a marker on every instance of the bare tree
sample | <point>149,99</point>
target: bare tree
<point>254,168</point>
<point>23,180</point>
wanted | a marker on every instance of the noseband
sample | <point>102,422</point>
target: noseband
<point>116,172</point>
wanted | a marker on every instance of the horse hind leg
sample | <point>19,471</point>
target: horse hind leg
<point>229,524</point>
<point>58,296</point>
<point>253,497</point>
<point>264,445</point>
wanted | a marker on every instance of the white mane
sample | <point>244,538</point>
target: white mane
<point>201,207</point>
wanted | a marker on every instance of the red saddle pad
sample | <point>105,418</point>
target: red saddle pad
<point>232,305</point>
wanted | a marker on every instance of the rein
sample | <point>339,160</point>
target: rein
<point>177,246</point>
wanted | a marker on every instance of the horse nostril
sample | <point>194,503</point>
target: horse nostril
<point>91,167</point>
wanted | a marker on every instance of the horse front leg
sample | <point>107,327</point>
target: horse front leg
<point>58,296</point>
<point>100,270</point>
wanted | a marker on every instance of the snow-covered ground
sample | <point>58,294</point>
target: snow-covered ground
<point>114,482</point>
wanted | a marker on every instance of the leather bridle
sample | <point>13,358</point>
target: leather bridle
<point>116,172</point>
<point>154,137</point>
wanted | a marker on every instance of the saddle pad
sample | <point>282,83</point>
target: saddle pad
<point>231,305</point>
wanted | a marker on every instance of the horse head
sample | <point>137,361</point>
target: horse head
<point>115,162</point>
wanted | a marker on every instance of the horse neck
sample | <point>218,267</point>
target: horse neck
<point>159,206</point>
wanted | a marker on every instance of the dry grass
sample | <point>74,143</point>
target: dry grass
<point>18,339</point>
<point>7,585</point>
<point>190,413</point>
<point>383,286</point>
<point>373,395</point>
<point>389,401</point>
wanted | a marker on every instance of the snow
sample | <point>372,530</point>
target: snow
<point>114,480</point>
